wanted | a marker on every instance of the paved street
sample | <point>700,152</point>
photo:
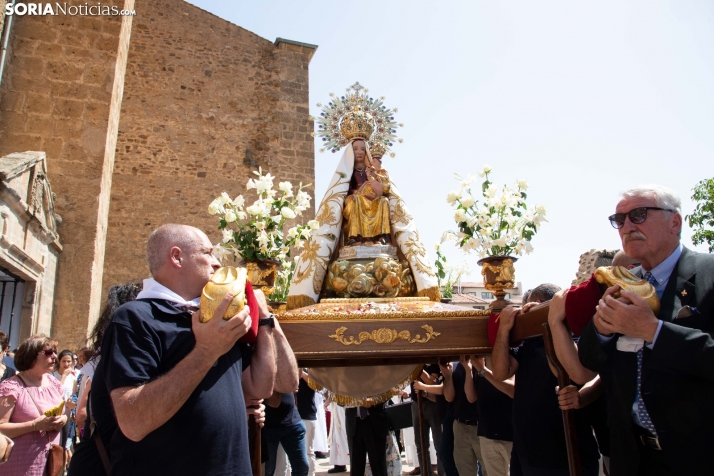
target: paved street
<point>324,464</point>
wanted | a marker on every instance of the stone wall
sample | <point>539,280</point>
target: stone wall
<point>56,97</point>
<point>205,103</point>
<point>29,242</point>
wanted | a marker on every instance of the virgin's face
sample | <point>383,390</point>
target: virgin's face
<point>360,151</point>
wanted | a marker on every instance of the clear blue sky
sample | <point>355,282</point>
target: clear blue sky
<point>582,99</point>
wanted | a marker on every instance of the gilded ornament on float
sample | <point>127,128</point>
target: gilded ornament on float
<point>381,277</point>
<point>385,336</point>
<point>262,274</point>
<point>226,279</point>
<point>618,275</point>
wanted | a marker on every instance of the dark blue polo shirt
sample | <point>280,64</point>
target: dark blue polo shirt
<point>538,434</point>
<point>284,415</point>
<point>209,433</point>
<point>463,409</point>
<point>306,402</point>
<point>494,411</point>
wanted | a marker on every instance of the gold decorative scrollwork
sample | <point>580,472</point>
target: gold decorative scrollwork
<point>416,254</point>
<point>384,336</point>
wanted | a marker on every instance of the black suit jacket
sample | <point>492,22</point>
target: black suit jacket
<point>377,420</point>
<point>677,375</point>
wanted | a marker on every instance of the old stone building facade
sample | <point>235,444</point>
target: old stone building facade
<point>145,119</point>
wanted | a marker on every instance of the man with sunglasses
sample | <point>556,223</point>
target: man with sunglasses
<point>658,371</point>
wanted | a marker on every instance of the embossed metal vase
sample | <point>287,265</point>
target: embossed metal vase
<point>262,274</point>
<point>225,280</point>
<point>498,274</point>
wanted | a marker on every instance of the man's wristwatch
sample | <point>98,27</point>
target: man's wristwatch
<point>482,372</point>
<point>268,321</point>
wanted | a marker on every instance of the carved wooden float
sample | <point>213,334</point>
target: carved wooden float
<point>348,332</point>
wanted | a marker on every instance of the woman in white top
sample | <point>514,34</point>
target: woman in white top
<point>67,376</point>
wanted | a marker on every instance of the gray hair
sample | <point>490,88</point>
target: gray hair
<point>543,292</point>
<point>166,237</point>
<point>664,197</point>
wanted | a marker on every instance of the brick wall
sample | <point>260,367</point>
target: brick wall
<point>135,143</point>
<point>56,95</point>
<point>205,103</point>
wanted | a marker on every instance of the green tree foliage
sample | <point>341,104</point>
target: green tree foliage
<point>702,219</point>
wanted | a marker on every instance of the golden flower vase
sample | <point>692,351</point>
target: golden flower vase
<point>262,274</point>
<point>498,274</point>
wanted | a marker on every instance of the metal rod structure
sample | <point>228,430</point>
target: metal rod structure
<point>571,436</point>
<point>6,41</point>
<point>425,469</point>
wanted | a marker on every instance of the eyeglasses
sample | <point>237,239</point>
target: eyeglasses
<point>637,216</point>
<point>50,352</point>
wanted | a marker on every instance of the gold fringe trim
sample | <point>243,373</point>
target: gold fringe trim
<point>347,401</point>
<point>432,293</point>
<point>295,302</point>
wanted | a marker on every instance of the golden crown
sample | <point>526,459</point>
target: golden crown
<point>378,149</point>
<point>357,124</point>
<point>355,115</point>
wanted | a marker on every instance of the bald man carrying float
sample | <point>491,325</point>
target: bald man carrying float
<point>177,384</point>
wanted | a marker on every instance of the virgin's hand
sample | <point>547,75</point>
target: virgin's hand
<point>377,187</point>
<point>217,336</point>
<point>568,397</point>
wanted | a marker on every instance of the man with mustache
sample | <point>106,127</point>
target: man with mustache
<point>658,371</point>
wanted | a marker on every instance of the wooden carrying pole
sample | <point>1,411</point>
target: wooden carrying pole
<point>425,469</point>
<point>254,442</point>
<point>571,436</point>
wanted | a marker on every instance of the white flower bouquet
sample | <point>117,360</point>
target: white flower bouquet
<point>255,232</point>
<point>501,224</point>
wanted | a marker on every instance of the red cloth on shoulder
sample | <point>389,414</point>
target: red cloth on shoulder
<point>580,304</point>
<point>493,323</point>
<point>252,304</point>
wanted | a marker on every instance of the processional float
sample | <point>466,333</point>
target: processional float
<point>364,303</point>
